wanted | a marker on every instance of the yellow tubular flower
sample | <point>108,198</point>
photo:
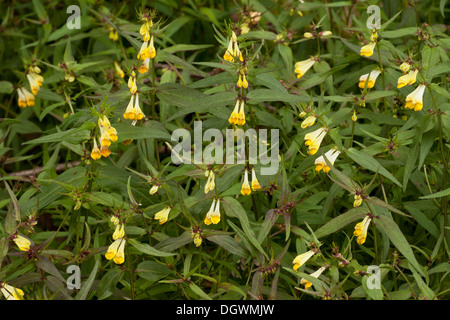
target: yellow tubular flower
<point>104,137</point>
<point>154,189</point>
<point>119,232</point>
<point>22,102</point>
<point>302,67</point>
<point>138,114</point>
<point>116,251</point>
<point>233,119</point>
<point>144,52</point>
<point>315,274</point>
<point>215,215</point>
<point>95,153</point>
<point>35,81</point>
<point>314,139</point>
<point>210,183</point>
<point>145,30</point>
<point>145,65</point>
<point>374,35</point>
<point>326,33</point>
<point>302,258</point>
<point>228,54</point>
<point>197,239</point>
<point>10,292</point>
<point>255,182</point>
<point>354,117</point>
<point>361,230</point>
<point>22,242</point>
<point>320,162</point>
<point>407,79</point>
<point>308,35</point>
<point>241,115</point>
<point>372,78</point>
<point>163,215</point>
<point>242,81</point>
<point>115,220</point>
<point>414,100</point>
<point>367,50</point>
<point>105,151</point>
<point>404,67</point>
<point>308,122</point>
<point>119,70</point>
<point>151,49</point>
<point>358,200</point>
<point>245,189</point>
<point>208,220</point>
<point>129,112</point>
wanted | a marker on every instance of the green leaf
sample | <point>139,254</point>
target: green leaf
<point>439,194</point>
<point>6,87</point>
<point>152,270</point>
<point>368,162</point>
<point>391,229</point>
<point>147,249</point>
<point>86,285</point>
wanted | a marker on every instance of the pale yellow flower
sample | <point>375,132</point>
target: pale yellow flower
<point>163,215</point>
<point>320,162</point>
<point>414,100</point>
<point>255,182</point>
<point>314,139</point>
<point>119,70</point>
<point>302,67</point>
<point>10,292</point>
<point>358,200</point>
<point>308,122</point>
<point>95,153</point>
<point>245,189</point>
<point>367,50</point>
<point>302,258</point>
<point>22,242</point>
<point>210,183</point>
<point>119,232</point>
<point>372,78</point>
<point>361,230</point>
<point>154,189</point>
<point>404,67</point>
<point>233,119</point>
<point>116,251</point>
<point>407,79</point>
<point>315,274</point>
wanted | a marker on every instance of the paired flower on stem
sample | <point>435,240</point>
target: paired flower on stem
<point>213,215</point>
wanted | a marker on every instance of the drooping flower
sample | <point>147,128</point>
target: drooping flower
<point>367,50</point>
<point>404,67</point>
<point>163,215</point>
<point>133,111</point>
<point>115,220</point>
<point>372,78</point>
<point>320,162</point>
<point>147,50</point>
<point>414,100</point>
<point>325,33</point>
<point>241,115</point>
<point>255,182</point>
<point>113,34</point>
<point>145,30</point>
<point>119,70</point>
<point>308,122</point>
<point>196,235</point>
<point>314,139</point>
<point>215,215</point>
<point>210,183</point>
<point>103,121</point>
<point>116,251</point>
<point>145,65</point>
<point>407,79</point>
<point>10,292</point>
<point>315,274</point>
<point>154,189</point>
<point>361,230</point>
<point>302,258</point>
<point>119,232</point>
<point>358,200</point>
<point>132,83</point>
<point>354,117</point>
<point>302,67</point>
<point>308,35</point>
<point>209,213</point>
<point>35,81</point>
<point>22,242</point>
<point>95,153</point>
<point>25,98</point>
<point>245,189</point>
<point>105,140</point>
<point>233,119</point>
<point>233,50</point>
<point>242,81</point>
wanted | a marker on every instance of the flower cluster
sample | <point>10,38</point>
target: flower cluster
<point>35,80</point>
<point>116,251</point>
<point>107,134</point>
